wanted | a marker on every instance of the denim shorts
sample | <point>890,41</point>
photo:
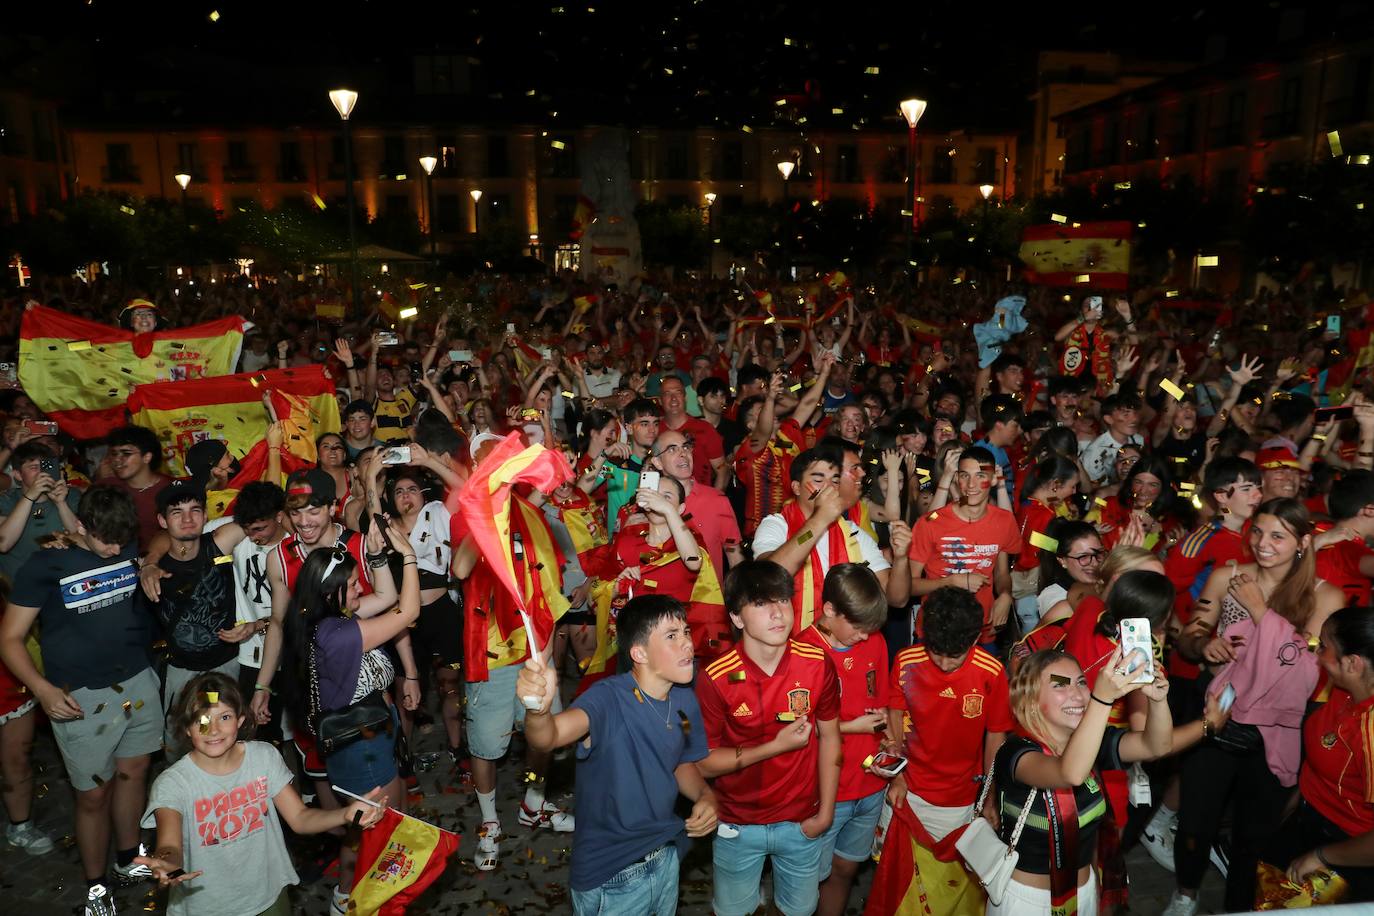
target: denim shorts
<point>364,765</point>
<point>493,711</point>
<point>646,888</point>
<point>738,864</point>
<point>851,834</point>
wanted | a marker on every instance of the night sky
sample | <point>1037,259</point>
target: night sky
<point>671,62</point>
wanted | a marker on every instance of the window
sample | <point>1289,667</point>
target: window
<point>448,212</point>
<point>894,165</point>
<point>393,155</point>
<point>942,167</point>
<point>498,157</point>
<point>238,154</point>
<point>44,145</point>
<point>119,163</point>
<point>499,205</point>
<point>732,160</point>
<point>291,169</point>
<point>562,162</point>
<point>397,204</point>
<point>448,155</point>
<point>985,169</point>
<point>564,205</point>
<point>188,158</point>
<point>676,159</point>
<point>846,163</point>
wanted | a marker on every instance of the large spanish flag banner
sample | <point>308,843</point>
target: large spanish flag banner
<point>81,372</point>
<point>919,876</point>
<point>398,857</point>
<point>230,408</point>
<point>1092,254</point>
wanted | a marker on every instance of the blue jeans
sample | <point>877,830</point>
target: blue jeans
<point>646,888</point>
<point>851,834</point>
<point>738,862</point>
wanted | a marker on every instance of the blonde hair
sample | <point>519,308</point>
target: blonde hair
<point>1025,693</point>
<point>1123,558</point>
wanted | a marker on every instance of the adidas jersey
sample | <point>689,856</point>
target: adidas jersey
<point>862,673</point>
<point>947,719</point>
<point>1192,561</point>
<point>743,707</point>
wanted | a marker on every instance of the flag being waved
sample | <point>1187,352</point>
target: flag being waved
<point>398,858</point>
<point>1095,254</point>
<point>80,373</point>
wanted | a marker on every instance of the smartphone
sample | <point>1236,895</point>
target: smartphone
<point>530,413</point>
<point>1095,306</point>
<point>1327,414</point>
<point>1333,324</point>
<point>388,339</point>
<point>9,372</point>
<point>510,329</point>
<point>41,427</point>
<point>648,480</point>
<point>460,356</point>
<point>50,466</point>
<point>1228,696</point>
<point>396,454</point>
<point>545,353</point>
<point>1135,634</point>
<point>887,765</point>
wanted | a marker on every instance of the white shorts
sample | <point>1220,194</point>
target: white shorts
<point>1021,900</point>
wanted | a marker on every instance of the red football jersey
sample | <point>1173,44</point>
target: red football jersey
<point>1339,564</point>
<point>1337,776</point>
<point>741,707</point>
<point>862,672</point>
<point>948,717</point>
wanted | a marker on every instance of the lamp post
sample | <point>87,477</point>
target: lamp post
<point>710,198</point>
<point>785,168</point>
<point>343,101</point>
<point>184,179</point>
<point>476,195</point>
<point>428,163</point>
<point>986,190</point>
<point>912,109</point>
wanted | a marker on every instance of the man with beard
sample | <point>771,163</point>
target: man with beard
<point>601,379</point>
<point>706,510</point>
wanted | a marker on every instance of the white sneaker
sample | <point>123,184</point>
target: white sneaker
<point>548,815</point>
<point>1180,906</point>
<point>29,838</point>
<point>99,901</point>
<point>488,846</point>
<point>338,902</point>
<point>1159,843</point>
<point>1220,858</point>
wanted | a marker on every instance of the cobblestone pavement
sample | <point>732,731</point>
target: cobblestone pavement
<point>530,879</point>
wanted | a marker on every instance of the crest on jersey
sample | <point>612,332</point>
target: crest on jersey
<point>973,705</point>
<point>799,701</point>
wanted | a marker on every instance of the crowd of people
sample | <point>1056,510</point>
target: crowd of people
<point>833,576</point>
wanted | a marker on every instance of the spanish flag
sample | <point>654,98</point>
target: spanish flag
<point>486,503</point>
<point>918,876</point>
<point>81,372</point>
<point>230,408</point>
<point>1092,254</point>
<point>583,216</point>
<point>398,858</point>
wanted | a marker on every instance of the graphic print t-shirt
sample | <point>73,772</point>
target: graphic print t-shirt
<point>92,634</point>
<point>944,544</point>
<point>229,830</point>
<point>197,602</point>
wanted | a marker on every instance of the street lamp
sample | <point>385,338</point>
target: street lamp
<point>343,101</point>
<point>912,109</point>
<point>476,195</point>
<point>710,197</point>
<point>428,163</point>
<point>184,179</point>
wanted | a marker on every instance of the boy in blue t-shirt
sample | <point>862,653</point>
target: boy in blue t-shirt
<point>639,736</point>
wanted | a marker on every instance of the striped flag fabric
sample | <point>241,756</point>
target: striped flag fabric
<point>398,858</point>
<point>1097,255</point>
<point>81,373</point>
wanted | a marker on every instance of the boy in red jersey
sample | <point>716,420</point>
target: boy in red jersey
<point>853,612</point>
<point>948,704</point>
<point>771,707</point>
<point>1343,556</point>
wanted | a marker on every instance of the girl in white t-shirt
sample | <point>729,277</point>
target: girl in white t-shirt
<point>216,811</point>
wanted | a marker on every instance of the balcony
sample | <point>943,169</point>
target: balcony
<point>237,174</point>
<point>1279,124</point>
<point>291,172</point>
<point>120,174</point>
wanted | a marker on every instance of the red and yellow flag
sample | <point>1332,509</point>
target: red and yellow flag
<point>398,858</point>
<point>485,504</point>
<point>918,876</point>
<point>230,408</point>
<point>81,372</point>
<point>583,216</point>
<point>1090,254</point>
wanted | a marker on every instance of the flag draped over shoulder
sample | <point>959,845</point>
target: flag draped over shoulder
<point>1095,254</point>
<point>918,876</point>
<point>491,512</point>
<point>397,859</point>
<point>81,372</point>
<point>230,408</point>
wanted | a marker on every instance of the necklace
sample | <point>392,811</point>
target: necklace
<point>667,718</point>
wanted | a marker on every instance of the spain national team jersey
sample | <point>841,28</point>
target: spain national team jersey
<point>862,673</point>
<point>1337,776</point>
<point>743,707</point>
<point>948,717</point>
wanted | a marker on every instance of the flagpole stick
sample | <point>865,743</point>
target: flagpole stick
<point>368,801</point>
<point>530,700</point>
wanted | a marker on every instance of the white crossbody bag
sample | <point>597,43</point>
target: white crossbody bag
<point>983,850</point>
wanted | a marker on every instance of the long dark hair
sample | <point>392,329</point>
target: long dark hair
<point>1157,466</point>
<point>1137,593</point>
<point>1353,630</point>
<point>316,597</point>
<point>1052,467</point>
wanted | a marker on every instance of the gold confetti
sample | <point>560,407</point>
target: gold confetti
<point>205,725</point>
<point>212,697</point>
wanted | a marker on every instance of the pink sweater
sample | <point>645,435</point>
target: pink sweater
<point>1274,673</point>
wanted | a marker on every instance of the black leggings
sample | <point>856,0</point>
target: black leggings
<point>1305,830</point>
<point>1212,779</point>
